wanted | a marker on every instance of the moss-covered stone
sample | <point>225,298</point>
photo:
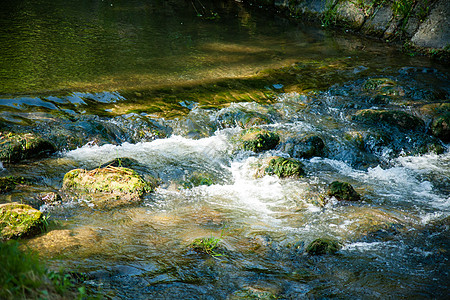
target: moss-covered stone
<point>19,220</point>
<point>285,167</point>
<point>322,246</point>
<point>380,118</point>
<point>17,147</point>
<point>440,127</point>
<point>342,191</point>
<point>107,187</point>
<point>257,140</point>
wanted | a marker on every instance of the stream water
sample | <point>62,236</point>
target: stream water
<point>171,84</point>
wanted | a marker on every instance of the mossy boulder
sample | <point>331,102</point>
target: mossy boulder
<point>305,147</point>
<point>19,220</point>
<point>258,140</point>
<point>285,167</point>
<point>342,191</point>
<point>322,246</point>
<point>107,187</point>
<point>382,118</point>
<point>15,147</point>
<point>440,127</point>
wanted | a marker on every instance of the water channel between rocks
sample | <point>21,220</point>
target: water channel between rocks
<point>172,86</point>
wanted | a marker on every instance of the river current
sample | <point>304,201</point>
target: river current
<point>171,84</point>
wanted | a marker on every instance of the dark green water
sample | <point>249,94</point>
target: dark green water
<point>157,82</point>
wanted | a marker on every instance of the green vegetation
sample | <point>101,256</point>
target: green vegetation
<point>20,220</point>
<point>9,183</point>
<point>342,191</point>
<point>15,147</point>
<point>109,186</point>
<point>207,245</point>
<point>285,167</point>
<point>322,246</point>
<point>257,140</point>
<point>23,276</point>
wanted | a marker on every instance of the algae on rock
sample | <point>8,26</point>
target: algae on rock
<point>322,246</point>
<point>16,147</point>
<point>258,140</point>
<point>107,187</point>
<point>19,220</point>
<point>285,167</point>
<point>342,191</point>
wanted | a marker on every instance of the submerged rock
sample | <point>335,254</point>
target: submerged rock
<point>107,187</point>
<point>342,191</point>
<point>285,167</point>
<point>197,179</point>
<point>15,147</point>
<point>380,118</point>
<point>322,246</point>
<point>7,184</point>
<point>244,116</point>
<point>257,140</point>
<point>19,220</point>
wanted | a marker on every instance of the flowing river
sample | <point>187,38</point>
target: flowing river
<point>171,84</point>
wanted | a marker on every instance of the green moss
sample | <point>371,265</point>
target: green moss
<point>285,167</point>
<point>19,220</point>
<point>257,140</point>
<point>322,246</point>
<point>342,191</point>
<point>440,127</point>
<point>109,185</point>
<point>17,147</point>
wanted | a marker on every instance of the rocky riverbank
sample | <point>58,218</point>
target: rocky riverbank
<point>420,26</point>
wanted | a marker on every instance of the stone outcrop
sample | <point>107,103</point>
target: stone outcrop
<point>423,25</point>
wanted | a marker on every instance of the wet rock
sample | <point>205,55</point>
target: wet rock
<point>19,220</point>
<point>380,118</point>
<point>342,191</point>
<point>382,87</point>
<point>350,14</point>
<point>285,167</point>
<point>440,127</point>
<point>50,198</point>
<point>257,140</point>
<point>322,246</point>
<point>379,22</point>
<point>306,147</point>
<point>107,187</point>
<point>434,32</point>
<point>15,147</point>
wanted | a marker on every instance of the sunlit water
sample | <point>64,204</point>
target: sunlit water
<point>65,76</point>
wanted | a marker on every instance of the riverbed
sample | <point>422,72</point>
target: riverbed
<point>171,84</point>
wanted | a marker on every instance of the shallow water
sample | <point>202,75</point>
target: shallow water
<point>152,81</point>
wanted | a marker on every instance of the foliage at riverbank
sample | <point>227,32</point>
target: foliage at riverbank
<point>24,276</point>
